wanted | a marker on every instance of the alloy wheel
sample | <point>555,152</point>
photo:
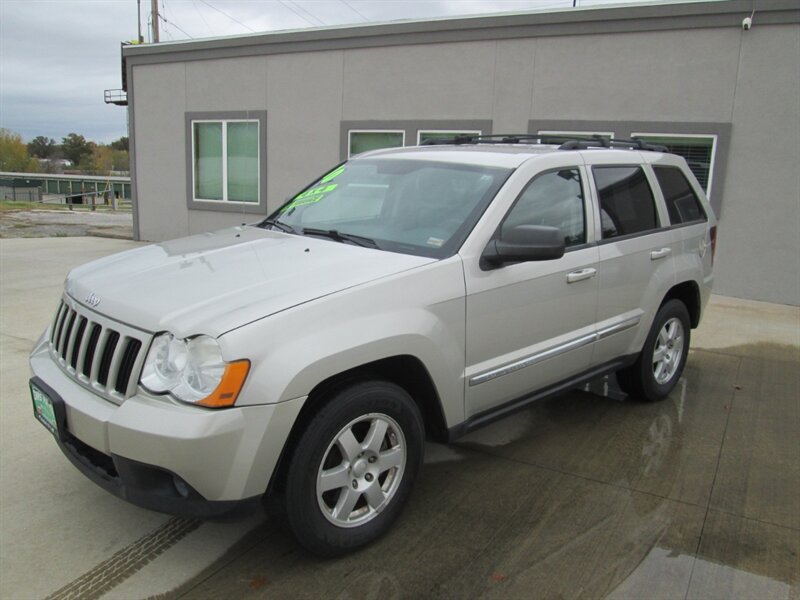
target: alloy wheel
<point>361,470</point>
<point>668,351</point>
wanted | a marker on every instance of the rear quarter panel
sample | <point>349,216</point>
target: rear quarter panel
<point>691,241</point>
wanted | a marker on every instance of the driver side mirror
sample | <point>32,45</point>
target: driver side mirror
<point>523,243</point>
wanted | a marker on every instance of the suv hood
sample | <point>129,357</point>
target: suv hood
<point>214,282</point>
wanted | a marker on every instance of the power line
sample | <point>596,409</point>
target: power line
<point>172,24</point>
<point>202,18</point>
<point>353,8</point>
<point>222,12</point>
<point>162,16</point>
<point>308,12</point>
<point>289,6</point>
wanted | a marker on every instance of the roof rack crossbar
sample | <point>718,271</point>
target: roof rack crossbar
<point>634,144</point>
<point>568,142</point>
<point>500,138</point>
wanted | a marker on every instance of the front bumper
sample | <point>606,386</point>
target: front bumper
<point>162,454</point>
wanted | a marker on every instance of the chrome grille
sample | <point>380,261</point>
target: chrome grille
<point>101,354</point>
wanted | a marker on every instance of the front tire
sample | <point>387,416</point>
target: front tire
<point>660,363</point>
<point>353,467</point>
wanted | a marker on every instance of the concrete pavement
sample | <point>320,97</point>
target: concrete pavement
<point>584,495</point>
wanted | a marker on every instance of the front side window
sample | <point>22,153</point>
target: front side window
<point>364,140</point>
<point>417,207</point>
<point>225,161</point>
<point>554,199</point>
<point>682,203</point>
<point>626,201</point>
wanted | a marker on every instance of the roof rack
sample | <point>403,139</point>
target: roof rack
<point>458,140</point>
<point>568,142</point>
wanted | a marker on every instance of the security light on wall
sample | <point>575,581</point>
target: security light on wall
<point>747,22</point>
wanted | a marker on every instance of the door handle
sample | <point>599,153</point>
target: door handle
<point>581,275</point>
<point>663,253</point>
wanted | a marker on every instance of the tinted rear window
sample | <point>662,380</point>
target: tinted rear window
<point>626,201</point>
<point>683,204</point>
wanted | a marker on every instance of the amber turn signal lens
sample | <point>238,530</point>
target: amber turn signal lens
<point>228,389</point>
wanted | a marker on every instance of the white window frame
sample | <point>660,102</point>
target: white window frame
<point>350,133</point>
<point>225,162</point>
<point>420,132</point>
<point>546,132</point>
<point>712,136</point>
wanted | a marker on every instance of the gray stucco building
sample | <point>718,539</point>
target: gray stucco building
<point>222,130</point>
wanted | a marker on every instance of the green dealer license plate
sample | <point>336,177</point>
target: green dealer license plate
<point>43,409</point>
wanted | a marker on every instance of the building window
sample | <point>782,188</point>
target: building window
<point>698,150</point>
<point>364,140</point>
<point>225,165</point>
<point>626,201</point>
<point>357,137</point>
<point>423,135</point>
<point>557,137</point>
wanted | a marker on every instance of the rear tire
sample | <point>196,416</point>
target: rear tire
<point>353,467</point>
<point>660,363</point>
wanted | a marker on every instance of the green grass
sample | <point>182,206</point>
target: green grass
<point>15,205</point>
<point>18,205</point>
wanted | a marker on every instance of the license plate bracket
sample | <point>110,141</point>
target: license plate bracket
<point>48,407</point>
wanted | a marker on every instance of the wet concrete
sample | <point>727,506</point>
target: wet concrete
<point>588,495</point>
<point>582,496</point>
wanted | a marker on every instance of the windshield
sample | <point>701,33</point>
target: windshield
<point>411,206</point>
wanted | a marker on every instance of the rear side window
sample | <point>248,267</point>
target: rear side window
<point>554,199</point>
<point>683,204</point>
<point>626,201</point>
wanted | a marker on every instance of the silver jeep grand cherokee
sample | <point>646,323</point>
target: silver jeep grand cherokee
<point>408,292</point>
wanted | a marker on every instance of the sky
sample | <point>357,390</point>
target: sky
<point>58,56</point>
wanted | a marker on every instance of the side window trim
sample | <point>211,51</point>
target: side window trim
<point>588,219</point>
<point>688,224</point>
<point>630,236</point>
<point>662,213</point>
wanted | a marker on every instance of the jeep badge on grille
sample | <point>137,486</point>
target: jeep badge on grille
<point>92,300</point>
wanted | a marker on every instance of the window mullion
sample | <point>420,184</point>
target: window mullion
<point>224,161</point>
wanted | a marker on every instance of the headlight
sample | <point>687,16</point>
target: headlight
<point>193,370</point>
<point>164,364</point>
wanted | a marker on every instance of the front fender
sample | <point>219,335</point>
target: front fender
<point>418,313</point>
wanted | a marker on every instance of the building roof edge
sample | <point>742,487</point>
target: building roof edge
<point>617,19</point>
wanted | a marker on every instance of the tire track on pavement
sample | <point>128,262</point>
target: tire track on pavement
<point>124,563</point>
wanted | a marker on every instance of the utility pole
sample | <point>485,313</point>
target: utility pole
<point>154,19</point>
<point>139,20</point>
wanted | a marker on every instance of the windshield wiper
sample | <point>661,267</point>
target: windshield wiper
<point>275,224</point>
<point>338,236</point>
